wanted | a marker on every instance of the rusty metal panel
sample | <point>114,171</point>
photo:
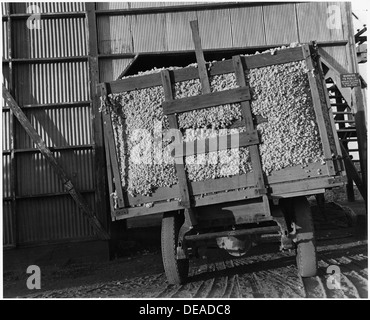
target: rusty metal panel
<point>280,24</point>
<point>114,34</point>
<point>36,176</point>
<point>55,38</point>
<point>57,126</point>
<point>52,219</point>
<point>8,229</point>
<point>215,28</point>
<point>314,22</point>
<point>178,30</point>
<point>51,82</point>
<point>111,69</point>
<point>149,32</point>
<point>247,26</point>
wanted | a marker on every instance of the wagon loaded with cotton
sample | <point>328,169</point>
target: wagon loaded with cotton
<point>227,151</point>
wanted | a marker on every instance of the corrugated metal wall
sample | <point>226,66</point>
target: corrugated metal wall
<point>55,96</point>
<point>50,80</point>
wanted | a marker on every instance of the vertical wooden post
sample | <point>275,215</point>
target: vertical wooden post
<point>101,207</point>
<point>248,120</point>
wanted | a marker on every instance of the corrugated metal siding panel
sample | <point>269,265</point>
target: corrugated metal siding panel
<point>36,176</point>
<point>6,176</point>
<point>56,38</point>
<point>5,40</point>
<point>149,32</point>
<point>8,234</point>
<point>178,30</point>
<point>114,34</point>
<point>52,82</point>
<point>215,28</point>
<point>46,7</point>
<point>312,22</point>
<point>58,127</point>
<point>112,69</point>
<point>6,130</point>
<point>280,23</point>
<point>51,219</point>
<point>247,26</point>
<point>3,8</point>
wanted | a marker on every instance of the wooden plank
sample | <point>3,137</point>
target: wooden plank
<point>109,134</point>
<point>202,68</point>
<point>280,190</point>
<point>248,118</point>
<point>221,67</point>
<point>109,174</point>
<point>318,107</point>
<point>79,199</point>
<point>242,139</point>
<point>206,100</point>
<point>172,119</point>
<point>97,128</point>
<point>312,170</point>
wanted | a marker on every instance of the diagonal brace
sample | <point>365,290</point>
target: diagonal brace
<point>68,185</point>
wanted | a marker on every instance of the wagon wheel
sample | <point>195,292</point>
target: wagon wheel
<point>306,248</point>
<point>176,270</point>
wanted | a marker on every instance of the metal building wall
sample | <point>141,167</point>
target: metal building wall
<point>50,81</point>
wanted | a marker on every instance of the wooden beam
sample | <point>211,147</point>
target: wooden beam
<point>221,67</point>
<point>202,68</point>
<point>180,167</point>
<point>79,199</point>
<point>100,180</point>
<point>248,119</point>
<point>242,139</point>
<point>207,100</point>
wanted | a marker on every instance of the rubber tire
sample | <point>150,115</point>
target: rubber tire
<point>306,247</point>
<point>176,270</point>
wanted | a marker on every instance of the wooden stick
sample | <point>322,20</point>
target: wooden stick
<point>202,68</point>
<point>79,199</point>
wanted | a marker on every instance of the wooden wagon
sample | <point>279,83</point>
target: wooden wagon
<point>232,210</point>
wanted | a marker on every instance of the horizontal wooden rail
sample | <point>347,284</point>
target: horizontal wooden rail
<point>206,100</point>
<point>201,146</point>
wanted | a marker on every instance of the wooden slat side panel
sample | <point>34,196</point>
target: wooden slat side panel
<point>149,32</point>
<point>114,34</point>
<point>316,21</point>
<point>215,28</point>
<point>247,27</point>
<point>280,23</point>
<point>178,30</point>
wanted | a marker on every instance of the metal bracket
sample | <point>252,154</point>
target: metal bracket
<point>287,239</point>
<point>188,225</point>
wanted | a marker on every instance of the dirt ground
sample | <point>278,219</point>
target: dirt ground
<point>263,273</point>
